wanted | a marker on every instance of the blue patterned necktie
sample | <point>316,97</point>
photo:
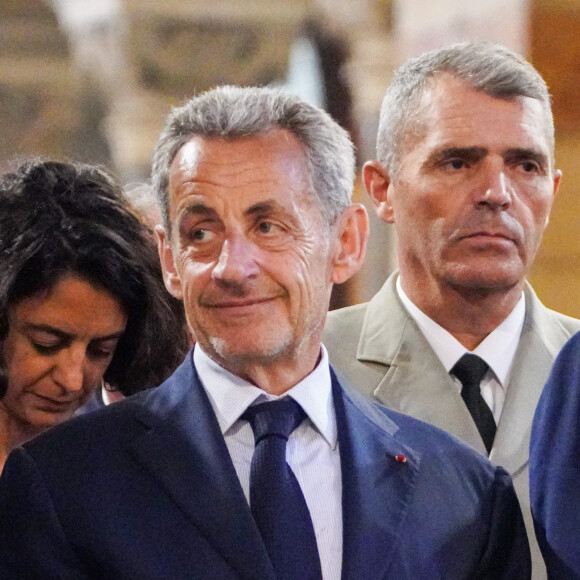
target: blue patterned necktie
<point>276,500</point>
<point>470,370</point>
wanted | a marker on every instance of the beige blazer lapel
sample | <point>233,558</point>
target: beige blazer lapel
<point>414,381</point>
<point>541,339</point>
<point>543,334</point>
<point>395,364</point>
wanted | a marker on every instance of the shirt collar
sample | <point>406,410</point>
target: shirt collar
<point>231,395</point>
<point>498,349</point>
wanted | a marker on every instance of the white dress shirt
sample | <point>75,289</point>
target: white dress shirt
<point>312,450</point>
<point>497,349</point>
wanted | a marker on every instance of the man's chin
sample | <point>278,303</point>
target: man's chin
<point>492,279</point>
<point>486,286</point>
<point>246,350</point>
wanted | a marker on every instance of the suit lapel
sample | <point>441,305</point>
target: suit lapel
<point>415,381</point>
<point>184,450</point>
<point>377,489</point>
<point>532,363</point>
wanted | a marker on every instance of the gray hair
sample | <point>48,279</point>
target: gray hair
<point>144,200</point>
<point>235,112</point>
<point>487,67</point>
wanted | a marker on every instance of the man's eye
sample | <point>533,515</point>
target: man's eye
<point>200,235</point>
<point>457,163</point>
<point>529,166</point>
<point>266,227</point>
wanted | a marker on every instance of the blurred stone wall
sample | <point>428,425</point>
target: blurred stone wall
<point>94,79</point>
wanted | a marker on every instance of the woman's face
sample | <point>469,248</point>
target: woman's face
<point>59,344</point>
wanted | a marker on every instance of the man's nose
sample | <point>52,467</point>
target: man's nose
<point>495,190</point>
<point>237,260</point>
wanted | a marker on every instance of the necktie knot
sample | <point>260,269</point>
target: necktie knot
<point>470,369</point>
<point>278,418</point>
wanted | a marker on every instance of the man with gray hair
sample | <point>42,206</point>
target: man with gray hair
<point>465,173</point>
<point>252,461</point>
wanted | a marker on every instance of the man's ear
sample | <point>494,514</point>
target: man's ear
<point>351,235</point>
<point>377,183</point>
<point>557,178</point>
<point>170,275</point>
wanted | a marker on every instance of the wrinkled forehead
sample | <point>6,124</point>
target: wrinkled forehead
<point>447,95</point>
<point>228,174</point>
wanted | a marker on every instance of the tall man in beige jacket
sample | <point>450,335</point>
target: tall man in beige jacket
<point>465,172</point>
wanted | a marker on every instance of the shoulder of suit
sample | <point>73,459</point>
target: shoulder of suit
<point>343,328</point>
<point>100,427</point>
<point>552,328</point>
<point>348,313</point>
<point>349,319</point>
<point>568,322</point>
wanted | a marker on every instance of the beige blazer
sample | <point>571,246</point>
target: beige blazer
<point>379,349</point>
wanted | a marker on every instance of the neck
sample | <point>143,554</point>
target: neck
<point>468,314</point>
<point>273,377</point>
<point>12,433</point>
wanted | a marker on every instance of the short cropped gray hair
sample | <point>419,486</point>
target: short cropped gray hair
<point>236,112</point>
<point>487,67</point>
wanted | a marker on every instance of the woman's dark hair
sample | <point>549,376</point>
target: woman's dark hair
<point>59,219</point>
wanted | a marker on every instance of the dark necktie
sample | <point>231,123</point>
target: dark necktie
<point>276,499</point>
<point>470,369</point>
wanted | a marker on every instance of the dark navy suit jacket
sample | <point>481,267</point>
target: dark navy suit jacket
<point>145,489</point>
<point>555,466</point>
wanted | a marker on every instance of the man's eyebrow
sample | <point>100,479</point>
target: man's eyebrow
<point>470,153</point>
<point>197,208</point>
<point>520,153</point>
<point>476,153</point>
<point>264,207</point>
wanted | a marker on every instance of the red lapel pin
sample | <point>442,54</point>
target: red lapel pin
<point>400,458</point>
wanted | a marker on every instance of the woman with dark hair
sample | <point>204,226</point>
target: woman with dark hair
<point>82,300</point>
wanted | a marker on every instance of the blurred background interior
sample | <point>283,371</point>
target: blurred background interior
<point>92,80</point>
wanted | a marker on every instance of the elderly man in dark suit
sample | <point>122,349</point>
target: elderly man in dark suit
<point>252,461</point>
